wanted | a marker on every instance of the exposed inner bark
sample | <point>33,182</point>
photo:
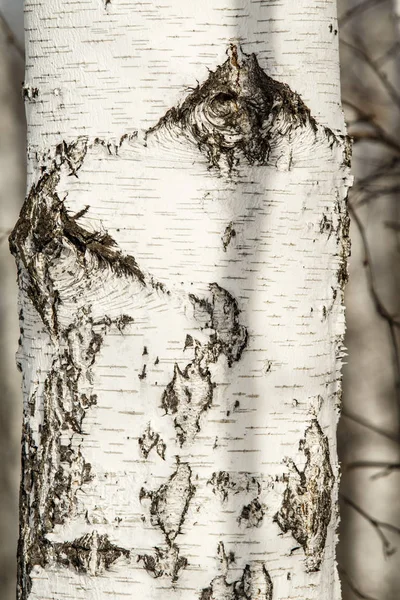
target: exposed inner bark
<point>307,501</point>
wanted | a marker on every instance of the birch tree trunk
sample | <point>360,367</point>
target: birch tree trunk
<point>181,260</point>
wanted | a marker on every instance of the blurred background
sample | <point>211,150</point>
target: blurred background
<point>369,432</point>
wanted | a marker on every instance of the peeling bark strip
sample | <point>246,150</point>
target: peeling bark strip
<point>307,505</point>
<point>163,264</point>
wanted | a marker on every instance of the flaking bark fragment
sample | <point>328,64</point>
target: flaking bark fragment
<point>149,440</point>
<point>307,505</point>
<point>252,514</point>
<point>225,483</point>
<point>228,236</point>
<point>254,584</point>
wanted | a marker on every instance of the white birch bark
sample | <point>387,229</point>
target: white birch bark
<point>182,254</point>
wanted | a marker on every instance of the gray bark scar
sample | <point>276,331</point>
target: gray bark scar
<point>225,483</point>
<point>254,584</point>
<point>190,392</point>
<point>168,508</point>
<point>307,505</point>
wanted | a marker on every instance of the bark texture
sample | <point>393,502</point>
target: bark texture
<point>181,263</point>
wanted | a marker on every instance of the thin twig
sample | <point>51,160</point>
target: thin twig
<point>365,423</point>
<point>381,309</point>
<point>391,90</point>
<point>11,37</point>
<point>385,467</point>
<point>378,525</point>
<point>356,10</point>
<point>352,586</point>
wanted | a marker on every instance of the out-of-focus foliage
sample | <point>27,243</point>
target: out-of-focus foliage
<point>369,550</point>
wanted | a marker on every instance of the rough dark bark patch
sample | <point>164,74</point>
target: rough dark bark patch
<point>165,562</point>
<point>53,472</point>
<point>254,584</point>
<point>44,225</point>
<point>187,396</point>
<point>190,392</point>
<point>307,505</point>
<point>149,440</point>
<point>228,236</point>
<point>168,509</point>
<point>239,111</point>
<point>252,514</point>
<point>92,553</point>
<point>30,93</point>
<point>225,483</point>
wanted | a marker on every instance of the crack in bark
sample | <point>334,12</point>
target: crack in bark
<point>307,505</point>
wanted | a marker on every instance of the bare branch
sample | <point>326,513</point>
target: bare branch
<point>392,322</point>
